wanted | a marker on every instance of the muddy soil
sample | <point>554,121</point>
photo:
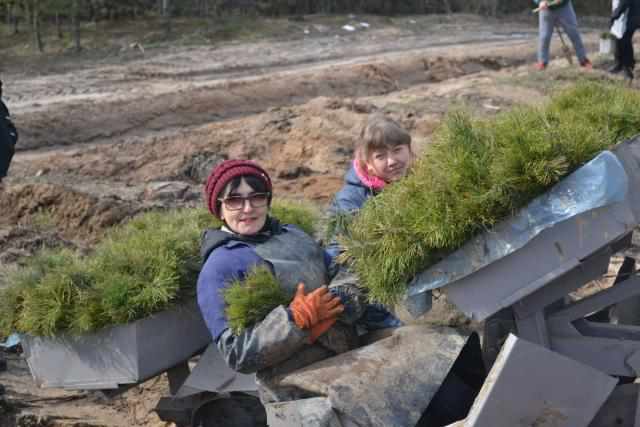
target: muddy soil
<point>108,141</point>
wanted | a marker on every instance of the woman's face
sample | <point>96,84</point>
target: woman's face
<point>244,210</point>
<point>390,164</point>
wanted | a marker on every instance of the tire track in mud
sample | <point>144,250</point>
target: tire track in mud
<point>197,103</point>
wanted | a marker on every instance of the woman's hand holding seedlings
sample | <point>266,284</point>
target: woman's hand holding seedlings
<point>317,310</point>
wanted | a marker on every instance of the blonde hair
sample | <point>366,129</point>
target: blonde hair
<point>378,133</point>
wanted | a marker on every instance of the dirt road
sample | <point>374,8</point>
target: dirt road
<point>107,141</point>
<point>196,85</point>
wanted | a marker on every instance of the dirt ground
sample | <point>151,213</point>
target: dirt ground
<point>106,141</point>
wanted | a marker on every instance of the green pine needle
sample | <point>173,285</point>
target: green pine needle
<point>250,300</point>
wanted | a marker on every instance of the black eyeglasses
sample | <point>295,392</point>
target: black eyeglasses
<point>256,200</point>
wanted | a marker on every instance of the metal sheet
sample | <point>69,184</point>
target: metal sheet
<point>387,383</point>
<point>601,182</point>
<point>530,385</point>
<point>582,214</point>
<point>212,374</point>
<point>119,355</point>
<point>620,409</point>
<point>553,253</point>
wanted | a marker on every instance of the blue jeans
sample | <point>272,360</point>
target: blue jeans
<point>566,18</point>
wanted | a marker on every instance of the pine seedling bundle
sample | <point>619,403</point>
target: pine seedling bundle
<point>140,268</point>
<point>250,300</point>
<point>296,212</point>
<point>477,173</point>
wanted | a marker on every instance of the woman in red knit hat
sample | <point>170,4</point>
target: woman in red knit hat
<point>312,327</point>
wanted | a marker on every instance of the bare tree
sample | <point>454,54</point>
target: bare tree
<point>166,14</point>
<point>75,22</point>
<point>37,30</point>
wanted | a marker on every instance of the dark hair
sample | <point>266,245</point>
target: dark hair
<point>258,185</point>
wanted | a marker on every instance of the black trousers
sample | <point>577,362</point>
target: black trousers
<point>624,49</point>
<point>6,154</point>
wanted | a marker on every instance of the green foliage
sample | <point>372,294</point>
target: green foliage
<point>477,173</point>
<point>338,224</point>
<point>23,281</point>
<point>140,268</point>
<point>250,300</point>
<point>299,213</point>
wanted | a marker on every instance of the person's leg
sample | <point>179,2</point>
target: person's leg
<point>632,61</point>
<point>626,53</point>
<point>617,55</point>
<point>566,17</point>
<point>626,49</point>
<point>545,28</point>
<point>6,153</point>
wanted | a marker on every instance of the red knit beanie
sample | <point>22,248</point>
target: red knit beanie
<point>224,173</point>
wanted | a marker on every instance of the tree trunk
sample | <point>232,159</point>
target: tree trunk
<point>75,21</point>
<point>166,13</point>
<point>37,33</point>
<point>15,18</point>
<point>447,7</point>
<point>58,26</point>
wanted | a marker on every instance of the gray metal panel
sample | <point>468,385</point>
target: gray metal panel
<point>94,361</point>
<point>212,374</point>
<point>532,386</point>
<point>168,338</point>
<point>551,254</point>
<point>606,355</point>
<point>589,269</point>
<point>620,409</point>
<point>119,355</point>
<point>387,383</point>
<point>577,310</point>
<point>628,153</point>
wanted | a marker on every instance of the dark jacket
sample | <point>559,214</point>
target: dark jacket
<point>347,201</point>
<point>633,9</point>
<point>8,139</point>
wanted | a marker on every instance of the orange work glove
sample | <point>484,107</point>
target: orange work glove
<point>310,309</point>
<point>320,328</point>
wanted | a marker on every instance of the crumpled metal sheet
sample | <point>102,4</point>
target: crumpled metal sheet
<point>601,182</point>
<point>387,383</point>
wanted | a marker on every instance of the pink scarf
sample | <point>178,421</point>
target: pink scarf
<point>370,181</point>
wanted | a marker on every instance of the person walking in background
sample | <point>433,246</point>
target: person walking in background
<point>8,138</point>
<point>625,59</point>
<point>560,13</point>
